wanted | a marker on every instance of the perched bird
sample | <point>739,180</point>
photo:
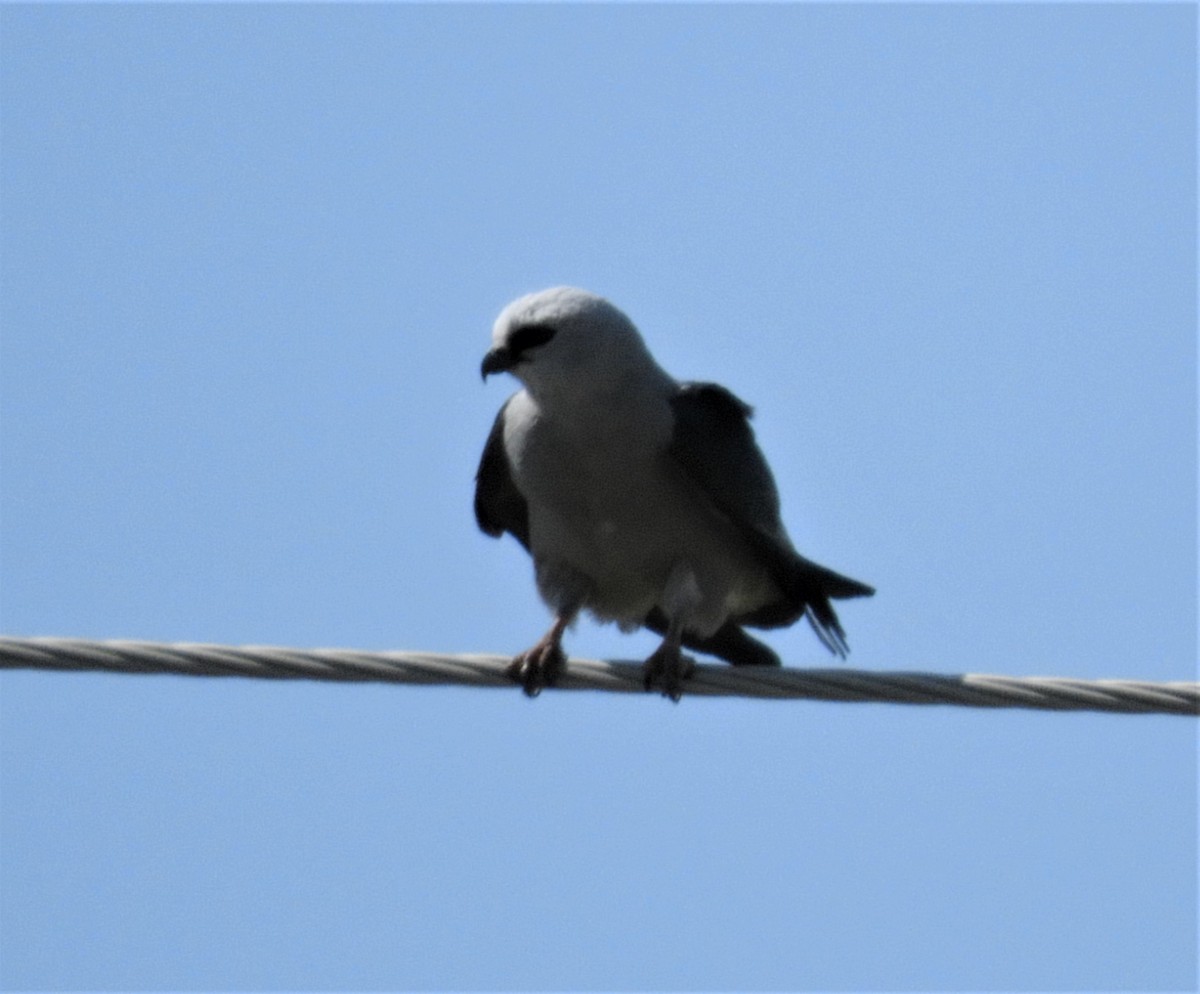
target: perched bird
<point>641,499</point>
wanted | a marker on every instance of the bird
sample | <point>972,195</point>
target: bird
<point>643,500</point>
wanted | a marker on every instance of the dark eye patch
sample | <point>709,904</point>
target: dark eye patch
<point>529,336</point>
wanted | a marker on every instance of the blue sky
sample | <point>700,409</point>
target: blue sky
<point>250,259</point>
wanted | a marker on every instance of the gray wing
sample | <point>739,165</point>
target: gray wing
<point>499,506</point>
<point>714,444</point>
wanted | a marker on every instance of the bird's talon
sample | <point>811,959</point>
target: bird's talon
<point>667,668</point>
<point>538,668</point>
<point>674,678</point>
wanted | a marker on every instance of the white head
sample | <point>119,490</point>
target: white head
<point>565,341</point>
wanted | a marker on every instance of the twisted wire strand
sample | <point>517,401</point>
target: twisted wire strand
<point>350,665</point>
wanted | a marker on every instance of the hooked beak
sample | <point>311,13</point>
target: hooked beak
<point>498,360</point>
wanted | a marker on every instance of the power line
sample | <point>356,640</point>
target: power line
<point>350,665</point>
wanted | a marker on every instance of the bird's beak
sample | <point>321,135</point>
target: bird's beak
<point>498,360</point>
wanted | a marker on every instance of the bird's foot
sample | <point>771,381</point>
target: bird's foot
<point>538,667</point>
<point>667,668</point>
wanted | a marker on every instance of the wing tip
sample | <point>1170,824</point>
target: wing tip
<point>852,588</point>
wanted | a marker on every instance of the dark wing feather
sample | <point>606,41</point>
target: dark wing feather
<point>499,506</point>
<point>714,445</point>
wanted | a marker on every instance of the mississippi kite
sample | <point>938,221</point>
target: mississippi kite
<point>641,499</point>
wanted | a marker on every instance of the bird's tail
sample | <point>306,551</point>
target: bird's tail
<point>820,585</point>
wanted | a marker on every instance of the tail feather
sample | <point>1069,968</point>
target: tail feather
<point>806,591</point>
<point>831,584</point>
<point>819,585</point>
<point>825,624</point>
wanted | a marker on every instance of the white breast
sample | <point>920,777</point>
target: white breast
<point>606,501</point>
